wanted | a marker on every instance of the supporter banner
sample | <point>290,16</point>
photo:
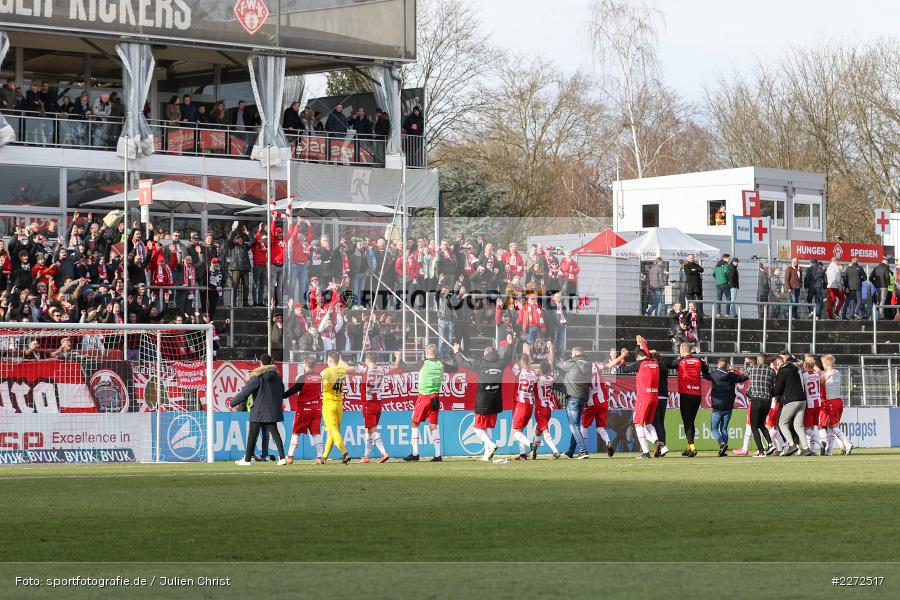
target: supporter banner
<point>363,28</point>
<point>44,386</point>
<point>828,251</point>
<point>68,438</point>
<point>190,374</point>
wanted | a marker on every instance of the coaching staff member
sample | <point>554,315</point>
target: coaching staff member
<point>268,391</point>
<point>488,397</point>
<point>762,389</point>
<point>577,380</point>
<point>789,391</point>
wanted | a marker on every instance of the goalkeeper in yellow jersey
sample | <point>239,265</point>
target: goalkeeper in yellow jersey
<point>334,384</point>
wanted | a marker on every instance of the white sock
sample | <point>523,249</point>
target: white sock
<point>776,439</point>
<point>642,438</point>
<point>368,452</point>
<point>823,437</point>
<point>604,435</point>
<point>651,433</point>
<point>414,440</point>
<point>482,435</point>
<point>812,438</point>
<point>294,442</point>
<point>320,446</point>
<point>747,435</point>
<point>584,434</point>
<point>376,439</point>
<point>524,442</point>
<point>549,439</point>
<point>831,439</point>
<point>842,437</point>
<point>436,438</point>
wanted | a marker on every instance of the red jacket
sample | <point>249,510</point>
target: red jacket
<point>569,269</point>
<point>514,262</point>
<point>258,250</point>
<point>278,251</point>
<point>299,244</point>
<point>412,267</point>
<point>532,316</point>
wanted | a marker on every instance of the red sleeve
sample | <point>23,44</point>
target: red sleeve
<point>645,347</point>
<point>398,267</point>
<point>498,312</point>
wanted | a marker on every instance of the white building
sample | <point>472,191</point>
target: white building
<point>794,201</point>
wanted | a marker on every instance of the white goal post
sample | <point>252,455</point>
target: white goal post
<point>105,393</point>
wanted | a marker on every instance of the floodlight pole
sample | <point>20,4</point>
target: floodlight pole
<point>270,238</point>
<point>125,254</point>
<point>403,232</point>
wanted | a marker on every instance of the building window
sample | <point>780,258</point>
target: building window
<point>650,215</point>
<point>807,215</point>
<point>25,186</point>
<point>774,209</point>
<point>716,213</point>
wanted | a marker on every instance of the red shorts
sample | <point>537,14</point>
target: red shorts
<point>772,417</point>
<point>811,417</point>
<point>307,420</point>
<point>598,412</point>
<point>423,410</point>
<point>542,415</point>
<point>830,413</point>
<point>371,413</point>
<point>485,421</point>
<point>645,411</point>
<point>522,414</point>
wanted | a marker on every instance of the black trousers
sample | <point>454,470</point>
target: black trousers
<point>759,408</point>
<point>659,421</point>
<point>268,429</point>
<point>690,405</point>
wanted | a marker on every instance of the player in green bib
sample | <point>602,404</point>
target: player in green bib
<point>428,403</point>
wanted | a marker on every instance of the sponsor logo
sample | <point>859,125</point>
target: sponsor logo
<point>185,437</point>
<point>109,391</point>
<point>838,252</point>
<point>467,438</point>
<point>51,456</point>
<point>251,14</point>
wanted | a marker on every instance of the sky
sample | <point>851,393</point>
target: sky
<point>701,39</point>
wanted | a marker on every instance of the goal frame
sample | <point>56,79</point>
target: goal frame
<point>159,329</point>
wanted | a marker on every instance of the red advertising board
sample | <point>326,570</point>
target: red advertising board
<point>842,251</point>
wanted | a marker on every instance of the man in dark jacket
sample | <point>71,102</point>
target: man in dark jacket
<point>268,392</point>
<point>577,380</point>
<point>724,380</point>
<point>488,397</point>
<point>734,284</point>
<point>761,391</point>
<point>358,259</point>
<point>854,276</point>
<point>693,281</point>
<point>763,287</point>
<point>239,264</point>
<point>881,279</point>
<point>336,125</point>
<point>815,282</point>
<point>789,392</point>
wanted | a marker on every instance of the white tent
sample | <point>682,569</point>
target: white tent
<point>667,243</point>
<point>326,209</point>
<point>176,196</point>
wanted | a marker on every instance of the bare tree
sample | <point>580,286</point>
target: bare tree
<point>624,35</point>
<point>453,55</point>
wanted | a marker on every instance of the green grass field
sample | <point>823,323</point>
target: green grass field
<point>640,521</point>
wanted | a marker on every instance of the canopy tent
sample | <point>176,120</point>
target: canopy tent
<point>176,196</point>
<point>667,243</point>
<point>326,209</point>
<point>603,243</point>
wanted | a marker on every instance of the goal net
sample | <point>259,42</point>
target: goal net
<point>99,393</point>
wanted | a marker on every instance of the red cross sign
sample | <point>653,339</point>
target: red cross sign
<point>882,221</point>
<point>760,229</point>
<point>751,203</point>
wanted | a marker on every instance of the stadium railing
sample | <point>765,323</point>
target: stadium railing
<point>205,139</point>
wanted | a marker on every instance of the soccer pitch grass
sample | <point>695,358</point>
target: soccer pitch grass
<point>473,529</point>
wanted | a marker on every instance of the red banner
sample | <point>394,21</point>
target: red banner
<point>316,148</point>
<point>179,141</point>
<point>212,140</point>
<point>312,148</point>
<point>44,386</point>
<point>191,374</point>
<point>828,251</point>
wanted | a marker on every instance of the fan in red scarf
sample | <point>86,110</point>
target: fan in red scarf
<point>531,319</point>
<point>160,269</point>
<point>515,264</point>
<point>569,277</point>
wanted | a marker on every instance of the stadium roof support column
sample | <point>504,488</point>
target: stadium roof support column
<point>7,134</point>
<point>387,94</point>
<point>136,139</point>
<point>267,79</point>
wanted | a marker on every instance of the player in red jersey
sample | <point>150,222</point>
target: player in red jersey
<point>813,388</point>
<point>307,407</point>
<point>371,386</point>
<point>525,393</point>
<point>597,407</point>
<point>832,407</point>
<point>647,388</point>
<point>691,369</point>
<point>543,410</point>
